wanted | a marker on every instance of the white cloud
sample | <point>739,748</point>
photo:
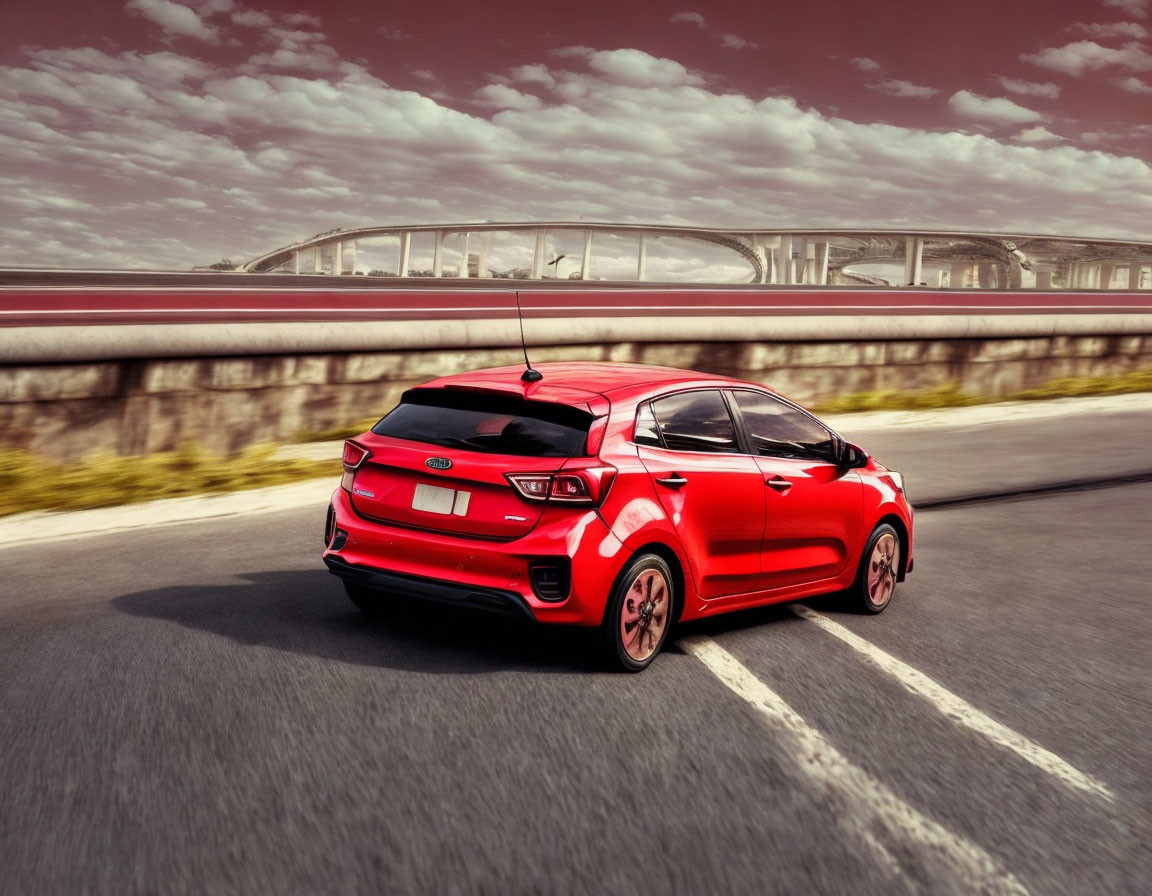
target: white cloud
<point>1030,88</point>
<point>864,64</point>
<point>1076,58</point>
<point>500,96</point>
<point>1038,134</point>
<point>736,42</point>
<point>533,74</point>
<point>633,67</point>
<point>994,109</point>
<point>109,162</point>
<point>1137,8</point>
<point>903,89</point>
<point>175,18</point>
<point>1134,85</point>
<point>728,41</point>
<point>253,18</point>
<point>689,18</point>
<point>1113,29</point>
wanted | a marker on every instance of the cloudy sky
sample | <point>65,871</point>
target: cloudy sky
<point>168,133</point>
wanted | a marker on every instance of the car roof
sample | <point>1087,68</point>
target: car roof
<point>580,383</point>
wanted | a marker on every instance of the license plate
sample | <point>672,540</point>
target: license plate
<point>444,501</point>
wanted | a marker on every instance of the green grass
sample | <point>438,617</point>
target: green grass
<point>28,482</point>
<point>952,396</point>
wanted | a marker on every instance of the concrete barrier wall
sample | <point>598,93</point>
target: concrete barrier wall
<point>107,400</point>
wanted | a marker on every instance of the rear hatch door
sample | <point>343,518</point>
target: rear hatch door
<point>438,461</point>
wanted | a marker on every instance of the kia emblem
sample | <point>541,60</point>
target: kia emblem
<point>438,463</point>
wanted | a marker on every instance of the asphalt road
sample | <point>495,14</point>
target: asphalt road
<point>198,709</point>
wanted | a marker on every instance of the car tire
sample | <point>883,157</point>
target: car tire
<point>639,614</point>
<point>879,570</point>
<point>371,601</point>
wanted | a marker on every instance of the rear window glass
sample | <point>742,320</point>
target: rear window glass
<point>491,424</point>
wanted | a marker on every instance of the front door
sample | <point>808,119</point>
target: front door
<point>713,495</point>
<point>815,508</point>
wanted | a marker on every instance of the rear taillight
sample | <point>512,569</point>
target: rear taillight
<point>588,485</point>
<point>354,454</point>
<point>353,458</point>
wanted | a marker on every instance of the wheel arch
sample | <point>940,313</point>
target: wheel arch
<point>902,533</point>
<point>669,556</point>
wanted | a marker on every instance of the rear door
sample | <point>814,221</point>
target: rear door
<point>713,495</point>
<point>814,507</point>
<point>439,461</point>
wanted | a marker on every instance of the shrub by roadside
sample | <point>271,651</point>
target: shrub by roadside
<point>951,396</point>
<point>32,483</point>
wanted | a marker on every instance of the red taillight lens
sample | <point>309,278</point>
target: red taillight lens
<point>569,487</point>
<point>588,485</point>
<point>354,455</point>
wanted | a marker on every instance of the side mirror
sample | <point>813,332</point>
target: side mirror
<point>851,456</point>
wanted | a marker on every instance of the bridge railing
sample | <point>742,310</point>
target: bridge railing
<point>565,251</point>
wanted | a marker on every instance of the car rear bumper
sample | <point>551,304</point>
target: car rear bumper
<point>487,575</point>
<point>507,603</point>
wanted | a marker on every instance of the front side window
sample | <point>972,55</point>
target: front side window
<point>780,430</point>
<point>696,421</point>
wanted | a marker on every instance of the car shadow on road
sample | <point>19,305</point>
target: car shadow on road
<point>306,611</point>
<point>839,603</point>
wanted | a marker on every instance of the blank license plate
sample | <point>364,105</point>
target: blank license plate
<point>445,501</point>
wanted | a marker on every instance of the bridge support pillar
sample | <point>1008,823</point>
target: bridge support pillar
<point>538,254</point>
<point>1135,274</point>
<point>1107,269</point>
<point>784,260</point>
<point>402,263</point>
<point>485,240</point>
<point>821,264</point>
<point>913,261</point>
<point>438,254</point>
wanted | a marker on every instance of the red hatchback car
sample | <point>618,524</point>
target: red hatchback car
<point>613,495</point>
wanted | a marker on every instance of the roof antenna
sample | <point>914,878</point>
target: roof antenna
<point>531,374</point>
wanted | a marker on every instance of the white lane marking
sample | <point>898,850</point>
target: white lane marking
<point>957,708</point>
<point>866,808</point>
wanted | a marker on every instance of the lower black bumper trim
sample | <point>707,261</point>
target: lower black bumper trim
<point>492,600</point>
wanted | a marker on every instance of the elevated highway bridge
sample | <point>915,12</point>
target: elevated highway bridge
<point>330,330</point>
<point>567,270</point>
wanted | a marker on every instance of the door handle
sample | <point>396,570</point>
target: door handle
<point>673,481</point>
<point>779,483</point>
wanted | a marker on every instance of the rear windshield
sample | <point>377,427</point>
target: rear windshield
<point>492,424</point>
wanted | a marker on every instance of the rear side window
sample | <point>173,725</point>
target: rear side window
<point>695,421</point>
<point>491,424</point>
